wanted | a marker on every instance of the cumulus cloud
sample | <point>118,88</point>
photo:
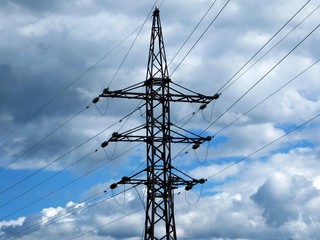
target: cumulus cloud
<point>46,45</point>
<point>281,198</point>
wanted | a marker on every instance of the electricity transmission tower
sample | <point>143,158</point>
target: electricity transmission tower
<point>158,132</point>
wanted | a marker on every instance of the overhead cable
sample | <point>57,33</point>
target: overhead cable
<point>45,222</point>
<point>65,185</point>
<point>67,153</point>
<point>266,98</point>
<point>254,85</point>
<point>265,146</point>
<point>224,87</point>
<point>214,19</point>
<point>68,86</point>
<point>194,29</point>
<point>43,139</point>
<point>134,41</point>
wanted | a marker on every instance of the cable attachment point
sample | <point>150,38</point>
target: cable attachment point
<point>216,96</point>
<point>209,138</point>
<point>124,180</point>
<point>202,181</point>
<point>106,90</point>
<point>188,187</point>
<point>195,146</point>
<point>203,106</point>
<point>95,100</point>
<point>104,144</point>
<point>115,136</point>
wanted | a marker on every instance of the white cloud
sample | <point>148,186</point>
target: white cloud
<point>272,194</point>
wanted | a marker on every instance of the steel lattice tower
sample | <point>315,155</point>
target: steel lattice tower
<point>161,177</point>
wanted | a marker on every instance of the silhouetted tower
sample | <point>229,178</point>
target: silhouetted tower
<point>158,133</point>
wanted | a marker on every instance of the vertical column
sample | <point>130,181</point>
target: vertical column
<point>159,222</point>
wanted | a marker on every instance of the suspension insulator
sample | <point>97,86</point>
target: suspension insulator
<point>124,180</point>
<point>188,187</point>
<point>104,144</point>
<point>95,100</point>
<point>195,146</point>
<point>216,96</point>
<point>209,138</point>
<point>203,106</point>
<point>202,181</point>
<point>106,90</point>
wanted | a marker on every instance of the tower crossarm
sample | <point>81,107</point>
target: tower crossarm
<point>177,179</point>
<point>133,92</point>
<point>132,136</point>
<point>141,138</point>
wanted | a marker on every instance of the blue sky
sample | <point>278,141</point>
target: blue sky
<point>56,56</point>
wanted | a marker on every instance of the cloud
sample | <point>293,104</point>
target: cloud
<point>281,196</point>
<point>46,45</point>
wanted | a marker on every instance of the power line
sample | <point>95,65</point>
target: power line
<point>67,153</point>
<point>51,220</point>
<point>247,63</point>
<point>68,86</point>
<point>270,143</point>
<point>222,90</point>
<point>134,41</point>
<point>43,139</point>
<point>108,223</point>
<point>67,184</point>
<point>258,50</point>
<point>242,159</point>
<point>194,29</point>
<point>269,96</point>
<point>265,146</point>
<point>251,66</point>
<point>45,180</point>
<point>214,19</point>
<point>256,105</point>
<point>53,99</point>
<point>265,45</point>
<point>254,85</point>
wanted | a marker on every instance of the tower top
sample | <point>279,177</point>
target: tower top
<point>156,11</point>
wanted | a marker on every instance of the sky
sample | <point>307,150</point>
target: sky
<point>261,166</point>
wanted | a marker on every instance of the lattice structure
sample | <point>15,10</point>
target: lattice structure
<point>161,177</point>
